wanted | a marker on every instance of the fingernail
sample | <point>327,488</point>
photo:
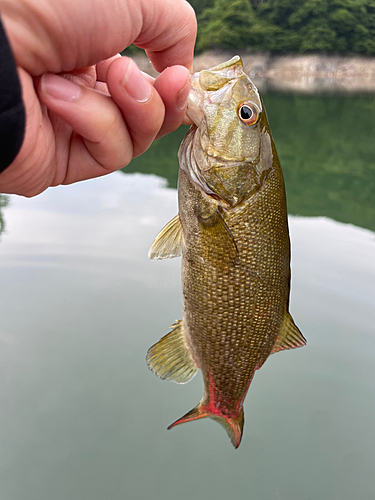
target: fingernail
<point>60,88</point>
<point>135,84</point>
<point>181,99</point>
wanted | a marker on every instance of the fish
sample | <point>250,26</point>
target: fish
<point>232,233</point>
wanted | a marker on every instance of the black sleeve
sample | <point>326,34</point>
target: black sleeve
<point>12,111</point>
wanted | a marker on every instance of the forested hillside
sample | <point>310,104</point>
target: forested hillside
<point>280,26</point>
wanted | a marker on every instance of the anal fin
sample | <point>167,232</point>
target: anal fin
<point>290,337</point>
<point>170,358</point>
<point>168,243</point>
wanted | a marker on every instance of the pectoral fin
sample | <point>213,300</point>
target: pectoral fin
<point>168,243</point>
<point>290,337</point>
<point>170,358</point>
<point>219,236</point>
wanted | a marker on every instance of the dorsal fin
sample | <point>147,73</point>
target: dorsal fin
<point>290,337</point>
<point>168,243</point>
<point>170,358</point>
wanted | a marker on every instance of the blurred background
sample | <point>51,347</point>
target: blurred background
<point>81,416</point>
<point>301,26</point>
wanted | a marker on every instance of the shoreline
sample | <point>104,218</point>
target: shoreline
<point>293,73</point>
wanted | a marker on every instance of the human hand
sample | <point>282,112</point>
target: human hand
<point>90,111</point>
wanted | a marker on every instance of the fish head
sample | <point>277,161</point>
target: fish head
<point>232,144</point>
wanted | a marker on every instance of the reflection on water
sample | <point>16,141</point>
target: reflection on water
<point>4,201</point>
<point>82,417</point>
<point>326,150</point>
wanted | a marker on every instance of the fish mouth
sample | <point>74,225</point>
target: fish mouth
<point>208,81</point>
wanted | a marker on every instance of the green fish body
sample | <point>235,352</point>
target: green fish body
<point>232,233</point>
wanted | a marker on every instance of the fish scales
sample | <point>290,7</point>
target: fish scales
<point>246,296</point>
<point>232,233</point>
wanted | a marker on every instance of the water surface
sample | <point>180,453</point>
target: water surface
<point>82,417</point>
<point>326,151</point>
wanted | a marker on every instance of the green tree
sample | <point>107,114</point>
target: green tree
<point>267,36</point>
<point>200,5</point>
<point>226,25</point>
<point>278,12</point>
<point>317,36</point>
<point>288,25</point>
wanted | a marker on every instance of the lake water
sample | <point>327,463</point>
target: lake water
<point>82,417</point>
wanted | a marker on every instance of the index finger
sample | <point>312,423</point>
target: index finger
<point>168,33</point>
<point>95,31</point>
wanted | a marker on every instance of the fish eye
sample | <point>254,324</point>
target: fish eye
<point>248,113</point>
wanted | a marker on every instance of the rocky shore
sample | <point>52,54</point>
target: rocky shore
<point>293,73</point>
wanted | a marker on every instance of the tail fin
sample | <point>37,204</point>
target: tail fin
<point>233,426</point>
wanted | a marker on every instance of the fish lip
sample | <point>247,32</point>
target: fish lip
<point>195,98</point>
<point>194,116</point>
